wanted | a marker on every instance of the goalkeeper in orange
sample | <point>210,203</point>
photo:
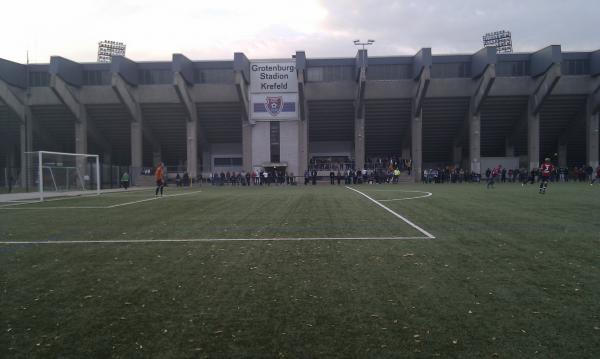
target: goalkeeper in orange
<point>159,174</point>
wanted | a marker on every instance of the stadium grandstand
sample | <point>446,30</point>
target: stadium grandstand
<point>305,113</point>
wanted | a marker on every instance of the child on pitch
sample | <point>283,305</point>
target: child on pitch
<point>159,175</point>
<point>546,170</point>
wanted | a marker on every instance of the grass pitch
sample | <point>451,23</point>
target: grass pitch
<point>510,274</point>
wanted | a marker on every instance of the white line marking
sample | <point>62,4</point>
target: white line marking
<point>44,208</point>
<point>152,199</point>
<point>395,190</point>
<point>118,241</point>
<point>427,194</point>
<point>77,196</point>
<point>429,235</point>
<point>99,207</point>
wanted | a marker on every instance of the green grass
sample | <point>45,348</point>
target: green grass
<point>511,274</point>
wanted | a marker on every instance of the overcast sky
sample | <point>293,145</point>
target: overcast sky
<point>202,29</point>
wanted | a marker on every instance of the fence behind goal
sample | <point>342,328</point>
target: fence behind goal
<point>51,174</point>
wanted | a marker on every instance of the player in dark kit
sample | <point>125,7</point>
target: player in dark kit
<point>546,170</point>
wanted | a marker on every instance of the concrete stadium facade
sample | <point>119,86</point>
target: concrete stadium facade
<point>438,109</point>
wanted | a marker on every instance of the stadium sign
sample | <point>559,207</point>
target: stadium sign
<point>269,77</point>
<point>273,90</point>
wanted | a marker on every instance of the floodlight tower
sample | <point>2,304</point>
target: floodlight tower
<point>502,40</point>
<point>108,49</point>
<point>363,44</point>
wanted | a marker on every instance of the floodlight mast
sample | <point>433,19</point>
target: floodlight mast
<point>502,40</point>
<point>369,42</point>
<point>363,44</point>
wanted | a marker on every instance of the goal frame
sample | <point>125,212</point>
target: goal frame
<point>41,172</point>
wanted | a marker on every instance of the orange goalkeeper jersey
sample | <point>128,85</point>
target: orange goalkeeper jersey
<point>159,173</point>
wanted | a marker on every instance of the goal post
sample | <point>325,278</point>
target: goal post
<point>64,174</point>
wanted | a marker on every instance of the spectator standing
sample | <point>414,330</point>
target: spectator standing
<point>124,181</point>
<point>597,179</point>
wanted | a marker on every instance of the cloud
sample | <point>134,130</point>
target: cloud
<point>453,26</point>
<point>154,29</point>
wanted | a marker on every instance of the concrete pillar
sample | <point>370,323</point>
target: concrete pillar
<point>417,146</point>
<point>533,140</point>
<point>509,148</point>
<point>289,145</point>
<point>136,146</point>
<point>359,139</point>
<point>192,148</point>
<point>302,147</point>
<point>475,143</point>
<point>26,138</point>
<point>562,155</point>
<point>81,140</point>
<point>592,127</point>
<point>81,146</point>
<point>247,145</point>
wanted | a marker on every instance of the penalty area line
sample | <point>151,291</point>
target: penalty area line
<point>427,194</point>
<point>97,207</point>
<point>429,235</point>
<point>35,200</point>
<point>152,199</point>
<point>191,240</point>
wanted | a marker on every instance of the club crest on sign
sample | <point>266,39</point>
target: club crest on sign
<point>274,105</point>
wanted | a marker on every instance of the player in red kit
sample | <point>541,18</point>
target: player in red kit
<point>546,170</point>
<point>495,172</point>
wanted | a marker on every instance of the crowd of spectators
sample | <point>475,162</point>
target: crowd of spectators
<point>390,163</point>
<point>380,170</point>
<point>453,174</point>
<point>448,174</point>
<point>376,170</point>
<point>560,174</point>
<point>252,178</point>
<point>330,163</point>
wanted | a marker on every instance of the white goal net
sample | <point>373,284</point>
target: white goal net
<point>53,174</point>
